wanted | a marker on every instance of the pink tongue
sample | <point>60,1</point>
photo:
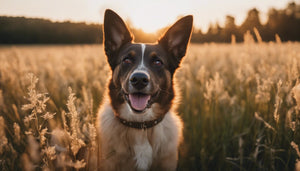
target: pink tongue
<point>139,101</point>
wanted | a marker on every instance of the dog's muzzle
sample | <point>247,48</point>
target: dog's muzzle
<point>139,80</point>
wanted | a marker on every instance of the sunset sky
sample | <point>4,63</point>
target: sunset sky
<point>145,14</point>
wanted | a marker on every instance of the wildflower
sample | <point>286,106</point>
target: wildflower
<point>233,39</point>
<point>256,115</point>
<point>293,72</point>
<point>73,113</point>
<point>277,38</point>
<point>37,100</point>
<point>1,99</point>
<point>241,152</point>
<point>76,142</point>
<point>248,38</point>
<point>42,136</point>
<point>78,164</point>
<point>17,137</point>
<point>64,121</point>
<point>295,146</point>
<point>88,101</point>
<point>258,37</point>
<point>16,112</point>
<point>201,74</point>
<point>278,102</point>
<point>49,152</point>
<point>258,143</point>
<point>27,119</point>
<point>63,160</point>
<point>297,167</point>
<point>215,89</point>
<point>48,115</point>
<point>3,139</point>
<point>29,132</point>
<point>296,94</point>
<point>239,74</point>
<point>93,134</point>
<point>263,91</point>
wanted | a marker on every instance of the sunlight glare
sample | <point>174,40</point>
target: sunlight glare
<point>150,16</point>
<point>149,24</point>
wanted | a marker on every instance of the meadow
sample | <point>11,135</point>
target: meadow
<point>240,106</point>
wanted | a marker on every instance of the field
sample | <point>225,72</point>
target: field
<point>240,104</point>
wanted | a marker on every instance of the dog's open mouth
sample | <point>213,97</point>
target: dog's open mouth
<point>138,101</point>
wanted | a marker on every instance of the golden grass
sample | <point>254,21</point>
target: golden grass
<point>240,105</point>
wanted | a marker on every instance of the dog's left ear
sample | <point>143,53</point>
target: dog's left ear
<point>176,39</point>
<point>116,34</point>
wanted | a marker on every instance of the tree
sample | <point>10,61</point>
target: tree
<point>230,29</point>
<point>230,23</point>
<point>251,21</point>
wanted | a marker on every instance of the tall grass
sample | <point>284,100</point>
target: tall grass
<point>240,106</point>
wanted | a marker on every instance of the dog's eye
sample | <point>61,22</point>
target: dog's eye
<point>157,62</point>
<point>127,61</point>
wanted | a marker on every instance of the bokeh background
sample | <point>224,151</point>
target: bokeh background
<point>239,82</point>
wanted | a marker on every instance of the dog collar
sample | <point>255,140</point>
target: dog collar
<point>140,125</point>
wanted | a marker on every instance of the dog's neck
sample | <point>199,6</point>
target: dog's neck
<point>148,118</point>
<point>140,125</point>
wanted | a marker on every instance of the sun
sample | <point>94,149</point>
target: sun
<point>151,16</point>
<point>149,23</point>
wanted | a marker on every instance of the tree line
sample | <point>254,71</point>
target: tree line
<point>285,23</point>
<point>21,30</point>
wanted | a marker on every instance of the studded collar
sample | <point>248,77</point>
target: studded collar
<point>140,125</point>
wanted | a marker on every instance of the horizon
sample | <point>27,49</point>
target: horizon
<point>92,11</point>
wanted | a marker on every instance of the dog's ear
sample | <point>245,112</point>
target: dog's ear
<point>116,33</point>
<point>176,39</point>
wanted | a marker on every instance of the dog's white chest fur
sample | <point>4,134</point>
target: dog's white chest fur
<point>143,151</point>
<point>123,148</point>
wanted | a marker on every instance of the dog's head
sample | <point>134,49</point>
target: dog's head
<point>142,74</point>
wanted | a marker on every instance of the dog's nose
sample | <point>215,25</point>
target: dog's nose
<point>139,80</point>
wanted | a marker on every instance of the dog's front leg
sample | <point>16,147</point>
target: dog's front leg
<point>167,162</point>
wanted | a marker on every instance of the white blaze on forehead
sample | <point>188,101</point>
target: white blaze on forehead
<point>143,49</point>
<point>141,65</point>
<point>141,68</point>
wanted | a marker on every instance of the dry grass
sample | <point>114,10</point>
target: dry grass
<point>240,105</point>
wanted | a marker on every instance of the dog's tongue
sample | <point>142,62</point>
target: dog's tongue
<point>139,101</point>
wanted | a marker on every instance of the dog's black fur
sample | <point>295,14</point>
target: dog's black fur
<point>141,92</point>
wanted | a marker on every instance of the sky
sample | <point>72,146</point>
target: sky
<point>148,15</point>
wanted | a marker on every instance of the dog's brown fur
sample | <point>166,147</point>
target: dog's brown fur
<point>127,148</point>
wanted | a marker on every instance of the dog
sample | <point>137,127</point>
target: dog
<point>137,125</point>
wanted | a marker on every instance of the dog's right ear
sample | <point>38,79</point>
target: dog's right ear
<point>116,34</point>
